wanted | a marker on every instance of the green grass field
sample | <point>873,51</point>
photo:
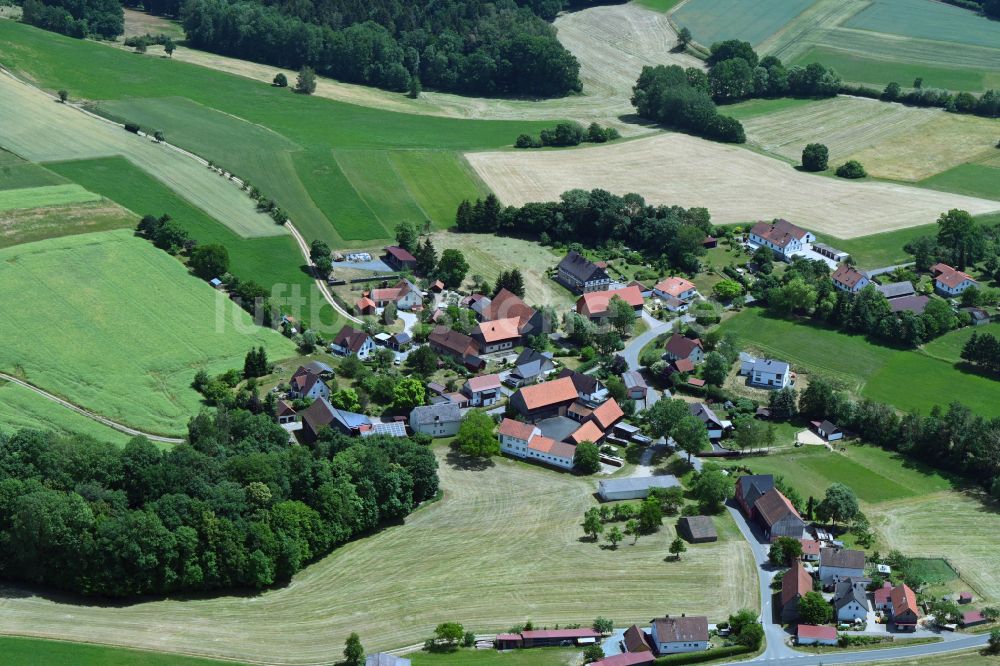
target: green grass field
<point>226,117</point>
<point>117,326</point>
<point>971,179</point>
<point>30,225</point>
<point>22,408</point>
<point>715,20</point>
<point>871,370</point>
<point>877,250</point>
<point>18,651</point>
<point>927,20</point>
<point>16,173</point>
<point>658,5</point>
<point>949,347</point>
<point>47,195</point>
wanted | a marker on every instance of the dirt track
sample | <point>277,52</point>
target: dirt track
<point>735,184</point>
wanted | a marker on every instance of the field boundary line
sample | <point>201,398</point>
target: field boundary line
<point>114,425</point>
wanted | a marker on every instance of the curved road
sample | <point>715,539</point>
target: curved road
<point>90,415</point>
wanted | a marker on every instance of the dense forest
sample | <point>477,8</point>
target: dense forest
<point>234,507</point>
<point>468,46</point>
<point>103,19</point>
<point>597,218</point>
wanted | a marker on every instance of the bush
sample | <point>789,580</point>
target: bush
<point>815,157</point>
<point>280,80</point>
<point>132,127</point>
<point>851,169</point>
<point>707,655</point>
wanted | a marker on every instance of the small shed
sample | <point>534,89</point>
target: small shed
<point>610,490</point>
<point>965,598</point>
<point>216,282</point>
<point>810,634</point>
<point>386,659</point>
<point>973,619</point>
<point>697,529</point>
<point>828,431</point>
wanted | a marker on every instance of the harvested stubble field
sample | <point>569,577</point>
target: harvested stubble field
<point>733,183</point>
<point>39,129</point>
<point>117,326</point>
<point>502,546</point>
<point>891,140</point>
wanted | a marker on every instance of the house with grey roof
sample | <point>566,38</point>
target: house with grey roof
<point>850,600</point>
<point>635,385</point>
<point>441,420</point>
<point>896,289</point>
<point>837,564</point>
<point>767,373</point>
<point>530,367</point>
<point>581,275</point>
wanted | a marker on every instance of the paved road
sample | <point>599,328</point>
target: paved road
<point>656,327</point>
<point>320,284</point>
<point>90,415</point>
<point>777,651</point>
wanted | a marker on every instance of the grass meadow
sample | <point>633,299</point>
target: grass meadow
<point>715,20</point>
<point>870,370</point>
<point>34,224</point>
<point>972,179</point>
<point>532,657</point>
<point>23,408</point>
<point>16,173</point>
<point>119,327</point>
<point>927,20</point>
<point>19,651</point>
<point>877,250</point>
<point>227,116</point>
<point>46,195</point>
<point>502,546</point>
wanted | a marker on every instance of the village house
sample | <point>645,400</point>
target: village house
<point>902,608</point>
<point>530,366</point>
<point>827,430</point>
<point>836,564</point>
<point>399,258</point>
<point>850,600</point>
<point>777,516</point>
<point>848,278</point>
<point>284,412</point>
<point>673,635</point>
<point>352,342</point>
<point>579,274</point>
<point>676,293</point>
<point>794,584</point>
<point>635,385</point>
<point>750,488</point>
<point>321,414</point>
<point>679,347</point>
<point>588,432</point>
<point>404,294</point>
<point>366,306</point>
<point>594,305</point>
<point>482,391</point>
<point>810,550</point>
<point>810,634</point>
<point>440,420</point>
<point>462,348</point>
<point>507,305</point>
<point>541,401</point>
<point>697,529</point>
<point>781,237</point>
<point>973,619</point>
<point>950,281</point>
<point>767,373</point>
<point>588,388</point>
<point>525,441</point>
<point>307,385</point>
<point>893,290</point>
<point>497,335</point>
<point>716,427</point>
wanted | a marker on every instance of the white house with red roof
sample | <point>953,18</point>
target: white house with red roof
<point>781,237</point>
<point>811,634</point>
<point>848,278</point>
<point>676,293</point>
<point>950,281</point>
<point>482,391</point>
<point>681,347</point>
<point>352,342</point>
<point>525,441</point>
<point>404,294</point>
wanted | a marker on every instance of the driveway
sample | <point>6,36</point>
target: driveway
<point>410,320</point>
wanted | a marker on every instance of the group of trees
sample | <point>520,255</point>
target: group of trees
<point>640,519</point>
<point>682,98</point>
<point>476,47</point>
<point>141,42</point>
<point>103,19</point>
<point>961,241</point>
<point>816,157</point>
<point>568,134</point>
<point>672,418</point>
<point>983,351</point>
<point>736,73</point>
<point>987,104</point>
<point>671,234</point>
<point>233,507</point>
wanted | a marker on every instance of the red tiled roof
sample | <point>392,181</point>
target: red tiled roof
<point>596,303</point>
<point>695,381</point>
<point>608,414</point>
<point>499,329</point>
<point>882,594</point>
<point>542,395</point>
<point>684,365</point>
<point>484,383</point>
<point>972,616</point>
<point>365,303</point>
<point>847,276</point>
<point>506,305</point>
<point>387,294</point>
<point>903,599</point>
<point>952,277</point>
<point>813,631</point>
<point>508,637</point>
<point>675,286</point>
<point>681,346</point>
<point>350,338</point>
<point>796,583</point>
<point>809,546</point>
<point>635,640</point>
<point>588,432</point>
<point>552,447</point>
<point>284,409</point>
<point>516,429</point>
<point>779,232</point>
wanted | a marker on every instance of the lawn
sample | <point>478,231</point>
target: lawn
<point>223,116</point>
<point>47,195</point>
<point>878,250</point>
<point>532,657</point>
<point>502,546</point>
<point>871,370</point>
<point>19,651</point>
<point>972,179</point>
<point>716,20</point>
<point>275,262</point>
<point>119,327</point>
<point>23,408</point>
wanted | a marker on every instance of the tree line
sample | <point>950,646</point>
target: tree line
<point>568,134</point>
<point>102,19</point>
<point>235,506</point>
<point>986,105</point>
<point>983,351</point>
<point>465,46</point>
<point>596,218</point>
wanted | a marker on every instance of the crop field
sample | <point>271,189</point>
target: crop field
<point>16,173</point>
<point>715,20</point>
<point>204,110</point>
<point>871,370</point>
<point>960,658</point>
<point>47,195</point>
<point>438,199</point>
<point>20,651</point>
<point>733,183</point>
<point>488,255</point>
<point>891,140</point>
<point>141,23</point>
<point>927,20</point>
<point>26,226</point>
<point>980,180</point>
<point>527,563</point>
<point>119,328</point>
<point>22,408</point>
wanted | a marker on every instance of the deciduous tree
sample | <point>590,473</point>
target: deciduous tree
<point>475,435</point>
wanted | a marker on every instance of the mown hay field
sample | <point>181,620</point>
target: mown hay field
<point>117,326</point>
<point>712,21</point>
<point>503,545</point>
<point>891,140</point>
<point>28,225</point>
<point>735,184</point>
<point>46,195</point>
<point>23,408</point>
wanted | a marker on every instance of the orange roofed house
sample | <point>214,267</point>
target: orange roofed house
<point>497,335</point>
<point>675,292</point>
<point>506,305</point>
<point>950,281</point>
<point>541,401</point>
<point>595,304</point>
